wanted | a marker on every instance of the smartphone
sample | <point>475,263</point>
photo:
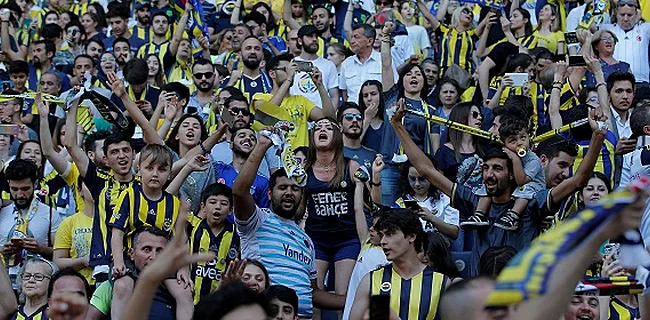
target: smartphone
<point>518,79</point>
<point>379,307</point>
<point>227,117</point>
<point>613,247</point>
<point>412,204</point>
<point>577,61</point>
<point>305,66</point>
<point>9,129</point>
<point>571,38</point>
<point>7,84</point>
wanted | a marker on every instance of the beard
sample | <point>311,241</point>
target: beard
<point>23,203</point>
<point>284,213</point>
<point>252,64</point>
<point>313,49</point>
<point>204,86</point>
<point>353,135</point>
<point>144,20</point>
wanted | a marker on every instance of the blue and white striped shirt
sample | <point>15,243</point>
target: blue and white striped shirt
<point>284,249</point>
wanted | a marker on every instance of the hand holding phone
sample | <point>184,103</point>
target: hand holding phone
<point>227,117</point>
<point>9,129</point>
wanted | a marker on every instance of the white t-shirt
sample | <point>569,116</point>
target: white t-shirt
<point>303,85</point>
<point>632,47</point>
<point>419,38</point>
<point>368,260</point>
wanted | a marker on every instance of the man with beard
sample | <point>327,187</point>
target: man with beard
<point>350,119</point>
<point>26,225</point>
<point>257,24</point>
<point>242,143</point>
<point>42,54</point>
<point>237,105</point>
<point>233,58</point>
<point>118,18</point>
<point>499,183</point>
<point>158,44</point>
<point>201,100</point>
<point>302,83</point>
<point>272,236</point>
<point>141,29</point>
<point>122,52</point>
<point>104,186</point>
<point>322,19</point>
<point>252,80</point>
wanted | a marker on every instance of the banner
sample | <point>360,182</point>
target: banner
<point>196,24</point>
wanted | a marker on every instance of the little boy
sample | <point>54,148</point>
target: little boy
<point>528,173</point>
<point>142,205</point>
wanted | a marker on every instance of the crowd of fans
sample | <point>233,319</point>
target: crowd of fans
<point>194,206</point>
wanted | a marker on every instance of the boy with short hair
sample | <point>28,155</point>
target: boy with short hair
<point>212,231</point>
<point>528,174</point>
<point>143,205</point>
<point>284,302</point>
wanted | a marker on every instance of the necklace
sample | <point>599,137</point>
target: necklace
<point>327,168</point>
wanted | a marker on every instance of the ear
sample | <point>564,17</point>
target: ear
<point>299,41</point>
<point>646,130</point>
<point>411,238</point>
<point>544,160</point>
<point>268,192</point>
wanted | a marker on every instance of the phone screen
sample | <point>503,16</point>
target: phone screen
<point>577,61</point>
<point>227,117</point>
<point>412,204</point>
<point>9,129</point>
<point>571,37</point>
<point>379,307</point>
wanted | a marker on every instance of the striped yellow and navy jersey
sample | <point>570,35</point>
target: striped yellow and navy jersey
<point>40,314</point>
<point>414,299</point>
<point>568,98</point>
<point>528,42</point>
<point>152,48</point>
<point>537,94</point>
<point>142,33</point>
<point>207,275</point>
<point>252,86</point>
<point>105,190</point>
<point>606,162</point>
<point>280,30</point>
<point>134,210</point>
<point>621,311</point>
<point>323,44</point>
<point>568,208</point>
<point>456,48</point>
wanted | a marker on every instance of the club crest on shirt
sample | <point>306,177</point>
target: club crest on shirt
<point>305,84</point>
<point>385,287</point>
<point>167,225</point>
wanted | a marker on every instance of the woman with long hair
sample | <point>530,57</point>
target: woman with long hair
<point>501,86</point>
<point>549,33</point>
<point>337,53</point>
<point>371,100</point>
<point>410,90</point>
<point>433,206</point>
<point>91,27</point>
<point>438,256</point>
<point>459,145</point>
<point>107,64</point>
<point>448,96</point>
<point>97,9</point>
<point>603,44</point>
<point>156,76</point>
<point>74,38</point>
<point>521,33</point>
<point>223,44</point>
<point>329,195</point>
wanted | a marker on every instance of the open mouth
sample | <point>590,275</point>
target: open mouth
<point>414,82</point>
<point>322,137</point>
<point>584,317</point>
<point>190,134</point>
<point>122,163</point>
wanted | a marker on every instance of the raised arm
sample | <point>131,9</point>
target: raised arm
<point>198,163</point>
<point>426,13</point>
<point>482,50</point>
<point>375,185</point>
<point>150,134</point>
<point>418,158</point>
<point>236,13</point>
<point>4,34</point>
<point>582,174</point>
<point>244,202</point>
<point>554,103</point>
<point>59,163</point>
<point>347,22</point>
<point>286,16</point>
<point>593,64</point>
<point>282,92</point>
<point>359,215</point>
<point>178,32</point>
<point>387,76</point>
<point>162,102</point>
<point>328,109</point>
<point>71,144</point>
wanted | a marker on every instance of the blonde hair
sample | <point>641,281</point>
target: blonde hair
<point>556,23</point>
<point>158,154</point>
<point>455,17</point>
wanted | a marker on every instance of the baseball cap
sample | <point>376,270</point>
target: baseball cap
<point>141,4</point>
<point>306,30</point>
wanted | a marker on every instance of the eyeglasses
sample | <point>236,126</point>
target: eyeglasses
<point>352,116</point>
<point>608,39</point>
<point>206,75</point>
<point>419,179</point>
<point>477,115</point>
<point>37,276</point>
<point>593,99</point>
<point>467,12</point>
<point>235,111</point>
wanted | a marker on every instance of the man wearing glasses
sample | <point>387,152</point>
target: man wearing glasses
<point>634,39</point>
<point>350,119</point>
<point>203,76</point>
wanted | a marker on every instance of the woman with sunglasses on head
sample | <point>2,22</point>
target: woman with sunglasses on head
<point>223,44</point>
<point>329,195</point>
<point>34,280</point>
<point>458,39</point>
<point>549,29</point>
<point>459,145</point>
<point>433,207</point>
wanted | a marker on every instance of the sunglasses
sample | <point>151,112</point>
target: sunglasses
<point>467,12</point>
<point>235,111</point>
<point>628,4</point>
<point>420,179</point>
<point>206,75</point>
<point>607,39</point>
<point>477,115</point>
<point>352,116</point>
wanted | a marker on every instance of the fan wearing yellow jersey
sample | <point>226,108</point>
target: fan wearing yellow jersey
<point>414,288</point>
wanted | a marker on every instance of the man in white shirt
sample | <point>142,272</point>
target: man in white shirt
<point>633,39</point>
<point>364,65</point>
<point>302,83</point>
